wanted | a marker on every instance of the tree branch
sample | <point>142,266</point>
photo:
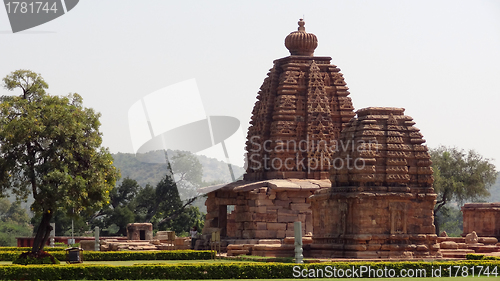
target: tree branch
<point>179,211</point>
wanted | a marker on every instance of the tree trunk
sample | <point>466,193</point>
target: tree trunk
<point>43,233</point>
<point>436,224</point>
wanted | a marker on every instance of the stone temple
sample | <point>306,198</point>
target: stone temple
<point>381,201</point>
<point>302,130</point>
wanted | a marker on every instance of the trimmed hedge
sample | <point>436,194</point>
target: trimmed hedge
<point>25,249</point>
<point>225,270</point>
<point>480,257</point>
<point>123,255</point>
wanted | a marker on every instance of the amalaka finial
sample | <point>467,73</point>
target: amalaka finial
<point>301,43</point>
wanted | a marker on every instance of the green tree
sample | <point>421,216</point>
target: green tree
<point>460,176</point>
<point>64,222</point>
<point>451,220</point>
<point>13,222</point>
<point>50,147</point>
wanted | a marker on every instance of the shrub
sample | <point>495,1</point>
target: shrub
<point>225,270</point>
<point>480,257</point>
<point>29,258</point>
<point>122,255</point>
<point>24,249</point>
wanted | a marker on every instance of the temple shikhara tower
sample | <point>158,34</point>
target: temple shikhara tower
<point>302,107</point>
<point>361,186</point>
<point>381,202</point>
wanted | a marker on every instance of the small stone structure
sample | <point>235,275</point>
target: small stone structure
<point>139,231</point>
<point>381,201</point>
<point>164,240</point>
<point>261,210</point>
<point>483,218</point>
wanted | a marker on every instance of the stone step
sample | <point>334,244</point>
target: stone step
<point>237,252</point>
<point>458,253</point>
<point>485,249</point>
<point>271,253</point>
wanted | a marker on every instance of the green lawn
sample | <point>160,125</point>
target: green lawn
<point>360,279</point>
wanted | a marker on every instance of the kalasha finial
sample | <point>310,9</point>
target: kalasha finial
<point>301,43</point>
<point>301,25</point>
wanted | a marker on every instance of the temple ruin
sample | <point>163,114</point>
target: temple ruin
<point>302,121</point>
<point>483,218</point>
<point>301,108</point>
<point>381,201</point>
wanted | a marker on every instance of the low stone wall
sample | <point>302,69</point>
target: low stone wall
<point>483,218</point>
<point>180,243</point>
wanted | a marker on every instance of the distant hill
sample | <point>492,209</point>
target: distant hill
<point>495,191</point>
<point>150,168</point>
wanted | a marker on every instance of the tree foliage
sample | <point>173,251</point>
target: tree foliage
<point>13,222</point>
<point>460,176</point>
<point>50,146</point>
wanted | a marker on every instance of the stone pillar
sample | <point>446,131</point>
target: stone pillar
<point>96,233</point>
<point>52,234</point>
<point>297,227</point>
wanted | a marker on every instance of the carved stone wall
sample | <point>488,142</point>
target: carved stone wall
<point>483,218</point>
<point>381,201</point>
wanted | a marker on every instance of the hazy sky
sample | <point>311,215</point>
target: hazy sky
<point>438,59</point>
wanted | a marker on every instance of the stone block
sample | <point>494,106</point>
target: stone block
<point>248,234</point>
<point>260,209</point>
<point>422,248</point>
<point>243,217</point>
<point>261,226</point>
<point>270,241</point>
<point>250,225</point>
<point>266,217</point>
<point>226,201</point>
<point>264,202</point>
<point>258,196</point>
<point>282,195</point>
<point>300,206</point>
<point>265,233</point>
<point>287,218</point>
<point>297,200</point>
<point>288,212</point>
<point>282,203</point>
<point>355,247</point>
<point>448,245</point>
<point>89,245</point>
<point>280,234</point>
<point>276,226</point>
<point>299,194</point>
<point>488,240</point>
